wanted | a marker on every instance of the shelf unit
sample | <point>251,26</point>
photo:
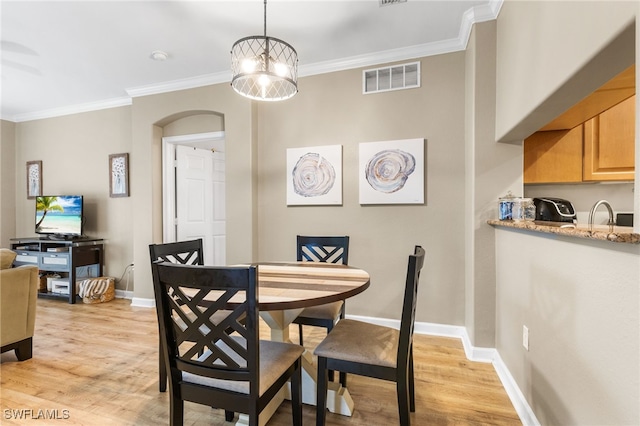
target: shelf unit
<point>60,256</point>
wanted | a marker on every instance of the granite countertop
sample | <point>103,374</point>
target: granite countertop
<point>616,234</point>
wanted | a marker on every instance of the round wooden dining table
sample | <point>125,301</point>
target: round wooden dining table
<point>284,290</point>
<point>293,285</point>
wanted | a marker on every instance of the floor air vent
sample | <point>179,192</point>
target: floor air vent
<point>396,77</point>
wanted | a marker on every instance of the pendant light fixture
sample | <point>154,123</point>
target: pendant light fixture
<point>264,68</point>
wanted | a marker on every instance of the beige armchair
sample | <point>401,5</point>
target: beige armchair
<point>18,294</point>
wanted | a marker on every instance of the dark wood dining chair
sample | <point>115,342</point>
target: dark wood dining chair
<point>326,249</point>
<point>207,365</point>
<point>182,252</point>
<point>375,351</point>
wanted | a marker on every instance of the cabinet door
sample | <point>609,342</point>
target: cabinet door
<point>553,156</point>
<point>609,144</point>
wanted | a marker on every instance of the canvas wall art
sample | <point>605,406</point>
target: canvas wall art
<point>391,172</point>
<point>314,175</point>
<point>119,175</point>
<point>34,179</point>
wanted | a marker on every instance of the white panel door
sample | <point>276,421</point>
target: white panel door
<point>200,200</point>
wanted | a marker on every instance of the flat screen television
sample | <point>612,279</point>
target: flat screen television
<point>59,216</point>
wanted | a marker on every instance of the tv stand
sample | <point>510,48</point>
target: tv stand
<point>62,257</point>
<point>62,237</point>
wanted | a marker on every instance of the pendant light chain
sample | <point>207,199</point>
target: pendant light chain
<point>266,39</point>
<point>265,18</point>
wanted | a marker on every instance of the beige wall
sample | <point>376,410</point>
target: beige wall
<point>75,150</point>
<point>551,54</point>
<point>150,115</point>
<point>491,171</point>
<point>7,182</point>
<point>578,298</point>
<point>204,122</point>
<point>331,109</point>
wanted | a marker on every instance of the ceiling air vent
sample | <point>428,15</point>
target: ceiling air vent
<point>396,77</point>
<point>388,2</point>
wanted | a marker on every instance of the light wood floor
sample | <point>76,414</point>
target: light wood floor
<point>97,365</point>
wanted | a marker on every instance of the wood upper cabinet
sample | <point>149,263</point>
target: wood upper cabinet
<point>601,149</point>
<point>609,144</point>
<point>554,156</point>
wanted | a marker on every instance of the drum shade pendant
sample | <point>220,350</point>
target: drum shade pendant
<point>264,68</point>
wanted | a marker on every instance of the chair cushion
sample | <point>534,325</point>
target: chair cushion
<point>6,258</point>
<point>328,311</point>
<point>362,342</point>
<point>275,358</point>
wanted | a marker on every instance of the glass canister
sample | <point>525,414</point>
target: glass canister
<point>505,207</point>
<point>529,210</point>
<point>523,209</point>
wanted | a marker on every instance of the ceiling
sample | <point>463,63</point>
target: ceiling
<point>63,57</point>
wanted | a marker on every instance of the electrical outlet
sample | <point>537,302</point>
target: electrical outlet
<point>525,337</point>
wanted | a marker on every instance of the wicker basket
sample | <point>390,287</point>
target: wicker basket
<point>97,290</point>
<point>42,287</point>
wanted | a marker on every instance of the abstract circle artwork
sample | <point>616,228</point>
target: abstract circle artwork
<point>313,175</point>
<point>387,171</point>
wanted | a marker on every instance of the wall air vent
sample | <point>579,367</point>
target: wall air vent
<point>396,77</point>
<point>388,2</point>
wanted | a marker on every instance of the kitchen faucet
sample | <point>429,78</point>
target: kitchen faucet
<point>595,206</point>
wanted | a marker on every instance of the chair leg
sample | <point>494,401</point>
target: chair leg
<point>331,373</point>
<point>300,332</point>
<point>162,370</point>
<point>229,415</point>
<point>321,396</point>
<point>24,349</point>
<point>402,389</point>
<point>343,379</point>
<point>176,409</point>
<point>296,395</point>
<point>403,402</point>
<point>412,388</point>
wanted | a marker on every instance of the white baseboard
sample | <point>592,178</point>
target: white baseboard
<point>122,294</point>
<point>489,355</point>
<point>138,302</point>
<point>518,400</point>
<point>143,303</point>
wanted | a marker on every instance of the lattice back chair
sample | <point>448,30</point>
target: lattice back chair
<point>183,252</point>
<point>329,250</point>
<point>207,364</point>
<point>375,351</point>
<point>323,249</point>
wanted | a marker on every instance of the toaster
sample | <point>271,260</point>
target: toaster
<point>554,210</point>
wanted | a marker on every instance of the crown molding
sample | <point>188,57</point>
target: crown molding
<point>72,109</point>
<point>182,84</point>
<point>382,57</point>
<point>474,15</point>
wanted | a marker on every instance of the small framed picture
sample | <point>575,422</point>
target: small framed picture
<point>34,179</point>
<point>119,175</point>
